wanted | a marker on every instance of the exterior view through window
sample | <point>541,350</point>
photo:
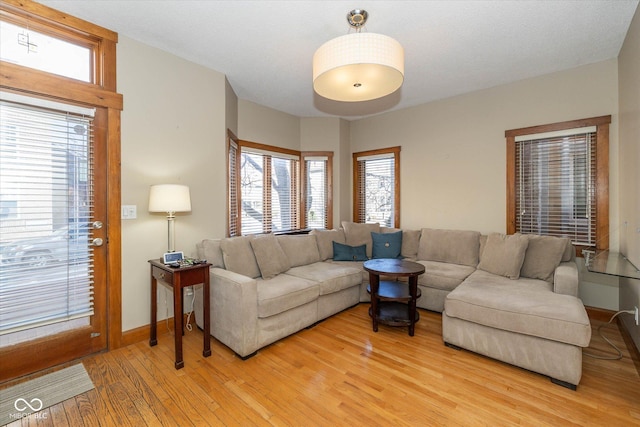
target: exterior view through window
<point>276,190</point>
<point>376,181</point>
<point>46,209</point>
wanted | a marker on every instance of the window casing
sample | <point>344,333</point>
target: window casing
<point>557,181</point>
<point>376,195</point>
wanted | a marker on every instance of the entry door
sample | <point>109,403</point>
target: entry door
<point>52,234</point>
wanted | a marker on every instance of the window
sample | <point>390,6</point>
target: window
<point>557,178</point>
<point>45,229</point>
<point>26,43</point>
<point>265,189</point>
<point>317,189</point>
<point>267,194</point>
<point>376,196</point>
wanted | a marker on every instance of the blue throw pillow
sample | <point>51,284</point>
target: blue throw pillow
<point>387,245</point>
<point>349,253</point>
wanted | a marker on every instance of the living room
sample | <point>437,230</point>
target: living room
<point>453,171</point>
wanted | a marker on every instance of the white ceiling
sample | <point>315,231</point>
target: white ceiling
<point>265,48</point>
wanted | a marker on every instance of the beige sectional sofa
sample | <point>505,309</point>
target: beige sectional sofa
<point>512,298</point>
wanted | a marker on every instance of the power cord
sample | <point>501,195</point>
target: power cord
<point>619,356</point>
<point>188,323</point>
<point>167,312</point>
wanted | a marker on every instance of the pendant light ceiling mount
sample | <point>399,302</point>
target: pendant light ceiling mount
<point>358,66</point>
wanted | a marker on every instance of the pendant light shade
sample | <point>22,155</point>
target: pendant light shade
<point>358,67</point>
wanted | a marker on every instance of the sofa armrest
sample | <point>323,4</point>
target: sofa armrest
<point>566,279</point>
<point>234,310</point>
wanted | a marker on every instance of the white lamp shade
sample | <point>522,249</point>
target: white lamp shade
<point>169,198</point>
<point>358,67</point>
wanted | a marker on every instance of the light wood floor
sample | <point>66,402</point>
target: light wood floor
<point>341,373</point>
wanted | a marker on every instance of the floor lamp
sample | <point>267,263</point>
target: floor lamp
<point>169,198</point>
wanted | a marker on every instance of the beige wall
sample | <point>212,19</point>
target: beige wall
<point>453,158</point>
<point>257,123</point>
<point>173,130</point>
<point>629,177</point>
<point>231,110</point>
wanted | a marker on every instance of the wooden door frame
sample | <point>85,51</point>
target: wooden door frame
<point>101,94</point>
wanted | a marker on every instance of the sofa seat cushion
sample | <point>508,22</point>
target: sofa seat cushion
<point>442,275</point>
<point>283,293</point>
<point>520,306</point>
<point>330,277</point>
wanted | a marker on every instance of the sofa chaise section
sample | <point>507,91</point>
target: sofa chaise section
<point>536,324</point>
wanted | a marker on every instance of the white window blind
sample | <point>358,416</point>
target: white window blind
<point>269,192</point>
<point>46,170</point>
<point>233,189</point>
<point>555,186</point>
<point>376,189</point>
<point>316,205</point>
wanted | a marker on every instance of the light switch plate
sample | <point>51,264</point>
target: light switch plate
<point>129,212</point>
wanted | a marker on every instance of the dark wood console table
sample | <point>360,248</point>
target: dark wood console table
<point>394,303</point>
<point>178,279</point>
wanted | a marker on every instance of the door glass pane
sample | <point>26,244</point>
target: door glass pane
<point>46,271</point>
<point>42,52</point>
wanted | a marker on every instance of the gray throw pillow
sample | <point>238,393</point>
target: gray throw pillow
<point>238,256</point>
<point>209,249</point>
<point>504,254</point>
<point>543,255</point>
<point>300,249</point>
<point>270,257</point>
<point>325,239</point>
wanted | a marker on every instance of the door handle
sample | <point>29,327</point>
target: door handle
<point>97,225</point>
<point>97,241</point>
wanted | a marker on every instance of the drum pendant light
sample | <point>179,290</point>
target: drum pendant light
<point>358,66</point>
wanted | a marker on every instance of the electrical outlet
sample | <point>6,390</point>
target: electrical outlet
<point>636,315</point>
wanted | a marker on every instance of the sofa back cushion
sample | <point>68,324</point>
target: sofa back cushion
<point>569,252</point>
<point>410,243</point>
<point>269,255</point>
<point>453,246</point>
<point>238,256</point>
<point>325,239</point>
<point>357,234</point>
<point>209,249</point>
<point>503,254</point>
<point>300,249</point>
<point>543,256</point>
